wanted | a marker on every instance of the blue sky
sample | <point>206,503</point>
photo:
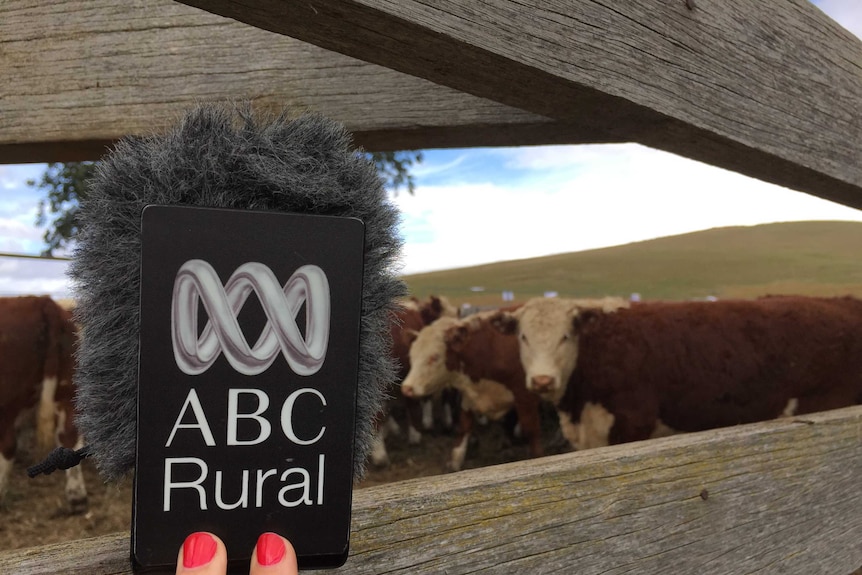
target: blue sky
<point>482,205</point>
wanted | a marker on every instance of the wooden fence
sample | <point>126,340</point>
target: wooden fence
<point>770,89</point>
<point>778,497</point>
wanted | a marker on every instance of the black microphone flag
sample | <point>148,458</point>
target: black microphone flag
<point>219,156</point>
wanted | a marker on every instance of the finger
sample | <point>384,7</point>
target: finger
<point>202,553</point>
<point>273,555</point>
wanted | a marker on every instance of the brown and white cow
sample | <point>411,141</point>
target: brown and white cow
<point>548,344</point>
<point>479,349</point>
<point>429,374</point>
<point>411,316</point>
<point>474,348</point>
<point>37,343</point>
<point>692,365</point>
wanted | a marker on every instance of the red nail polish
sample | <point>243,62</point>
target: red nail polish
<point>198,549</point>
<point>270,549</point>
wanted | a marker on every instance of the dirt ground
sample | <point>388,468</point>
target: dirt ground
<point>34,511</point>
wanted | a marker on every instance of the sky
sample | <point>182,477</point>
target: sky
<point>483,205</point>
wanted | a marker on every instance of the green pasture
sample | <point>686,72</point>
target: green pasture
<point>806,258</point>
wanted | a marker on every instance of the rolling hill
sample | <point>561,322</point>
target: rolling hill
<point>808,258</point>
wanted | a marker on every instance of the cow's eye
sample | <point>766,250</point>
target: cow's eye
<point>524,338</point>
<point>566,337</point>
<point>433,359</point>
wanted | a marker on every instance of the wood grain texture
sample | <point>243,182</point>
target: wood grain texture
<point>77,76</point>
<point>769,89</point>
<point>769,498</point>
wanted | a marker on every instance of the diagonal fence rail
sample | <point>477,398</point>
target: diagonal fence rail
<point>775,497</point>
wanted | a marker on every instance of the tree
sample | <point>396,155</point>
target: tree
<point>65,185</point>
<point>394,167</point>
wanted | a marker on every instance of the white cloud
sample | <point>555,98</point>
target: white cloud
<point>15,176</point>
<point>656,193</point>
<point>559,157</point>
<point>20,276</point>
<point>422,170</point>
<point>19,237</point>
<point>465,228</point>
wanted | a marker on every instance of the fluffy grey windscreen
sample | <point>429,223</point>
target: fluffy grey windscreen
<point>218,156</point>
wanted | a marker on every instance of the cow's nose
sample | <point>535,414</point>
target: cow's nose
<point>407,391</point>
<point>542,383</point>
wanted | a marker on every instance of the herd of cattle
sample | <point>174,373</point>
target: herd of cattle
<point>614,370</point>
<point>619,371</point>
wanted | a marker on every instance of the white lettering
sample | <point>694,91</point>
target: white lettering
<point>233,416</point>
<point>287,416</point>
<point>200,423</point>
<point>320,479</point>
<point>305,485</point>
<point>295,489</point>
<point>261,477</point>
<point>196,484</point>
<point>243,499</point>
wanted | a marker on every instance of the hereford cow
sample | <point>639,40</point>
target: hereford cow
<point>690,365</point>
<point>546,340</point>
<point>480,352</point>
<point>478,349</point>
<point>411,316</point>
<point>37,340</point>
<point>430,374</point>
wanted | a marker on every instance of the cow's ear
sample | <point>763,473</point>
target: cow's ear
<point>504,322</point>
<point>455,337</point>
<point>431,310</point>
<point>583,318</point>
<point>436,304</point>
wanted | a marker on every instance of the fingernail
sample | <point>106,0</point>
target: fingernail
<point>270,549</point>
<point>198,549</point>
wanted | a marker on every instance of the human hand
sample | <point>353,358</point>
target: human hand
<point>203,553</point>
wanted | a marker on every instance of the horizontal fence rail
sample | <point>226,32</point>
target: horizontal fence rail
<point>34,257</point>
<point>782,496</point>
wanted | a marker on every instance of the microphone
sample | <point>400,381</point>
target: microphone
<point>219,156</point>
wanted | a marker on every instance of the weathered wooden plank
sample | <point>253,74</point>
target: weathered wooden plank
<point>769,89</point>
<point>76,76</point>
<point>776,497</point>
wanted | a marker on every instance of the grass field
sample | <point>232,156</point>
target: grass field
<point>805,258</point>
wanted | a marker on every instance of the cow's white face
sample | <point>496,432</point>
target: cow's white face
<point>428,373</point>
<point>548,339</point>
<point>548,345</point>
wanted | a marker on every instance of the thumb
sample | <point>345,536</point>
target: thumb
<point>202,553</point>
